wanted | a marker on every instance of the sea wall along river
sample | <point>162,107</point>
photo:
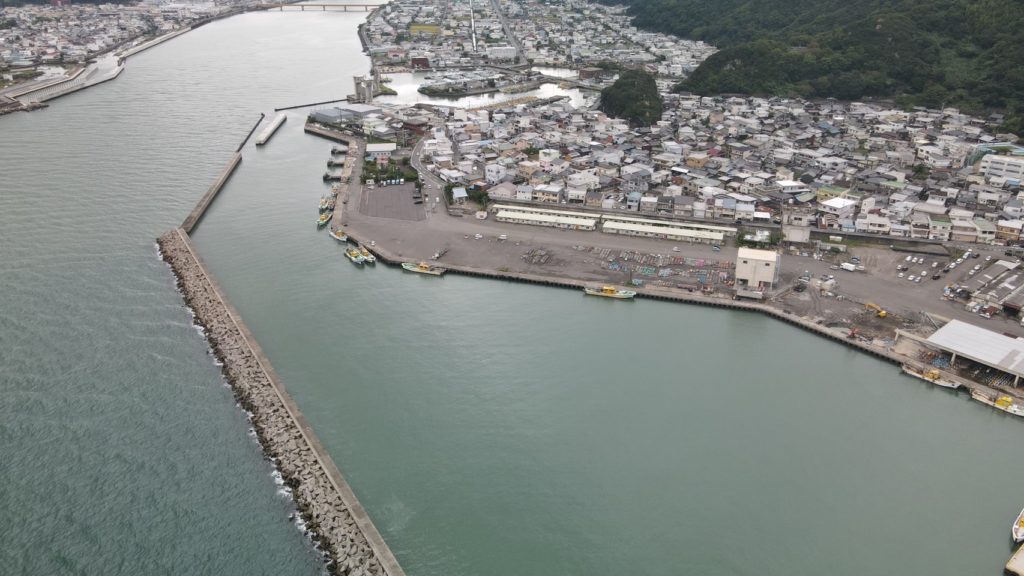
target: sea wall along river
<point>331,511</point>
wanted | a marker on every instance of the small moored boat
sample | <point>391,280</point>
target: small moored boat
<point>931,375</point>
<point>1004,403</point>
<point>324,219</point>
<point>367,256</point>
<point>354,256</point>
<point>423,268</point>
<point>339,235</point>
<point>610,292</point>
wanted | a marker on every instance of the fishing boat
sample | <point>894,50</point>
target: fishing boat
<point>354,256</point>
<point>1004,403</point>
<point>324,219</point>
<point>423,268</point>
<point>339,235</point>
<point>1018,528</point>
<point>931,375</point>
<point>610,292</point>
<point>324,203</point>
<point>367,256</point>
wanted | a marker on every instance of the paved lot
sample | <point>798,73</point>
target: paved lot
<point>395,202</point>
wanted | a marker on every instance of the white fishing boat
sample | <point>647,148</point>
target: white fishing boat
<point>339,235</point>
<point>368,256</point>
<point>423,268</point>
<point>610,292</point>
<point>355,256</point>
<point>931,375</point>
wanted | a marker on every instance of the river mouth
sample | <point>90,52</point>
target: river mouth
<point>488,427</point>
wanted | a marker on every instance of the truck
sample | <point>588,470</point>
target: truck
<point>848,266</point>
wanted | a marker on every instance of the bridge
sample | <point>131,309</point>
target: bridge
<point>322,7</point>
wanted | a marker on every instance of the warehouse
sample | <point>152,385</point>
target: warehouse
<point>552,218</point>
<point>663,232</point>
<point>990,349</point>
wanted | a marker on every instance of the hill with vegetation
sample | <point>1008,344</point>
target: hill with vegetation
<point>964,53</point>
<point>634,97</point>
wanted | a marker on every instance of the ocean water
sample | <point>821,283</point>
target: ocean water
<point>489,428</point>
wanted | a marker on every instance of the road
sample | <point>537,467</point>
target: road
<point>508,31</point>
<point>433,187</point>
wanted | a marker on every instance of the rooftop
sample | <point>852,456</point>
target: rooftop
<point>981,345</point>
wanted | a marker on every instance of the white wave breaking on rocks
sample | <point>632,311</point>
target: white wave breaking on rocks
<point>321,513</point>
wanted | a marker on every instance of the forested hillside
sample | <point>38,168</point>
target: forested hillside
<point>634,97</point>
<point>966,53</point>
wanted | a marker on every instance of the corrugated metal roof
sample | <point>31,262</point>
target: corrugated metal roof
<point>981,345</point>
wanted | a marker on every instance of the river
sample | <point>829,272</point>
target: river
<point>489,428</point>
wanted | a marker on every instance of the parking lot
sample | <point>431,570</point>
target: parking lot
<point>395,202</point>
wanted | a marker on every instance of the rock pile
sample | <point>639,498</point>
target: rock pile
<point>329,520</point>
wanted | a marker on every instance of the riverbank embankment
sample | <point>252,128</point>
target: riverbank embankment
<point>335,518</point>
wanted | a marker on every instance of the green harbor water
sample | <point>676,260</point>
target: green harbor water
<point>489,428</point>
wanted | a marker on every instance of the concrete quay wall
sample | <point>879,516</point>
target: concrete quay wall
<point>652,293</point>
<point>335,518</point>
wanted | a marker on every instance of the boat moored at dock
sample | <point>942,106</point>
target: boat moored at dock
<point>324,219</point>
<point>1004,403</point>
<point>368,256</point>
<point>354,255</point>
<point>423,268</point>
<point>610,292</point>
<point>1017,531</point>
<point>339,235</point>
<point>931,375</point>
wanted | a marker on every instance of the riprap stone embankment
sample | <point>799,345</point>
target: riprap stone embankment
<point>336,520</point>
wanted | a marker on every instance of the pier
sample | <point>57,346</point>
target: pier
<point>269,131</point>
<point>197,213</point>
<point>325,132</point>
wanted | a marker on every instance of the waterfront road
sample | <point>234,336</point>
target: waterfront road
<point>433,187</point>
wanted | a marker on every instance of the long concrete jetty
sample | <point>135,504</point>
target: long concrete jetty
<point>333,514</point>
<point>197,213</point>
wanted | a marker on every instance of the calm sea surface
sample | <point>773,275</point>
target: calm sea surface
<point>489,428</point>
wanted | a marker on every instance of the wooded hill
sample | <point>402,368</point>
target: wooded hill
<point>964,53</point>
<point>634,97</point>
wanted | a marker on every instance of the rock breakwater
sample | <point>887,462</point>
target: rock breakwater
<point>335,519</point>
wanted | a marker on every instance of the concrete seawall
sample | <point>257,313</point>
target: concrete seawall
<point>336,520</point>
<point>197,213</point>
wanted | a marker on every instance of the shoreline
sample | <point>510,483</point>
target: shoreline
<point>333,516</point>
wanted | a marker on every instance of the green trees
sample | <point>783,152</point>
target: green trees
<point>634,97</point>
<point>963,53</point>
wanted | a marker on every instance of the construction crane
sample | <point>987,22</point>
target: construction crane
<point>878,309</point>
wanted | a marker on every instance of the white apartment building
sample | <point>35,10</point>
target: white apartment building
<point>1003,166</point>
